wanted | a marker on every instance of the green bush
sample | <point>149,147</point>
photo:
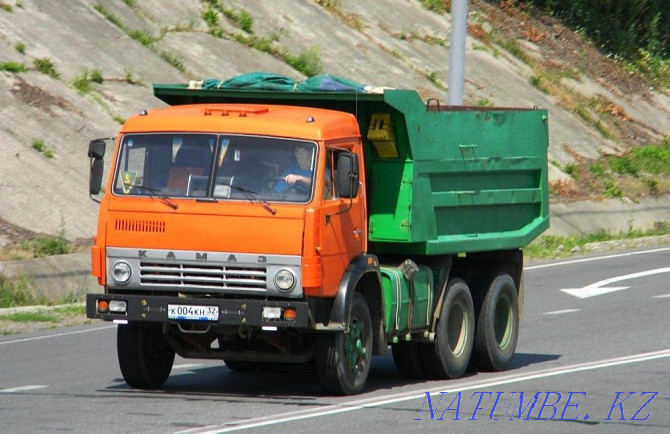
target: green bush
<point>13,67</point>
<point>619,27</point>
<point>110,16</point>
<point>306,62</point>
<point>96,76</point>
<point>82,82</point>
<point>246,21</point>
<point>623,166</point>
<point>439,6</point>
<point>45,66</point>
<point>15,292</point>
<point>653,158</point>
<point>211,18</point>
<point>41,146</point>
<point>142,36</point>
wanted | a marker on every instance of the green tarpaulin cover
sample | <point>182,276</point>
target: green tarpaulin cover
<point>268,81</point>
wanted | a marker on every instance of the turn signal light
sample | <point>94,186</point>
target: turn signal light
<point>103,306</point>
<point>290,314</point>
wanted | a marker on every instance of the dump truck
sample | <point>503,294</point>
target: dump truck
<point>263,226</point>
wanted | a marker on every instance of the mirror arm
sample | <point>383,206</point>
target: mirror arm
<point>351,201</point>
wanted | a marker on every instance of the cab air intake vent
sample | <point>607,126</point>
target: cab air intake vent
<point>140,226</point>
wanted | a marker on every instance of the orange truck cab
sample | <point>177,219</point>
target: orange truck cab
<point>241,226</point>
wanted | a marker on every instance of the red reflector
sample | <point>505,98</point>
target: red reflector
<point>103,306</point>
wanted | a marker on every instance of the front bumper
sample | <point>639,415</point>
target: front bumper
<point>141,308</point>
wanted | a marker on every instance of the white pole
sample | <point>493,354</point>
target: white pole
<point>459,18</point>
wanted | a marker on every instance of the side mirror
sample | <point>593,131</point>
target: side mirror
<point>96,148</point>
<point>96,151</point>
<point>95,179</point>
<point>346,177</point>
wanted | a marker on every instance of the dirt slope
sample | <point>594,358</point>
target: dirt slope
<point>514,59</point>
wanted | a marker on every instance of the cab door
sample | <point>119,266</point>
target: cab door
<point>343,230</point>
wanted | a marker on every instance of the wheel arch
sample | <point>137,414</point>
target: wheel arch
<point>362,275</point>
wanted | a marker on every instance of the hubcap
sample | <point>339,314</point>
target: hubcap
<point>354,348</point>
<point>456,329</point>
<point>503,322</point>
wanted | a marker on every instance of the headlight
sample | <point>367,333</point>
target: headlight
<point>121,272</point>
<point>284,279</point>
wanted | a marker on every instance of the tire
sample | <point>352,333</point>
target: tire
<point>145,357</point>
<point>497,325</point>
<point>240,365</point>
<point>343,359</point>
<point>449,355</point>
<point>407,359</point>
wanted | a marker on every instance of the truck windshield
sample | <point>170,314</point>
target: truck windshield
<point>225,167</point>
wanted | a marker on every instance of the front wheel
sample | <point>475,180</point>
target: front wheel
<point>145,358</point>
<point>343,358</point>
<point>497,325</point>
<point>449,355</point>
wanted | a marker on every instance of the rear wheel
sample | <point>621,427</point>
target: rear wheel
<point>343,359</point>
<point>448,356</point>
<point>145,358</point>
<point>497,325</point>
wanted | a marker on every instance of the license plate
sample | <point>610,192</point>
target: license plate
<point>193,313</point>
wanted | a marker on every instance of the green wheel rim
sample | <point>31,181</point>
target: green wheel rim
<point>354,348</point>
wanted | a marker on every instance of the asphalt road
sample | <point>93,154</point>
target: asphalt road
<point>594,358</point>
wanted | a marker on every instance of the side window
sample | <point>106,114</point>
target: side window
<point>330,157</point>
<point>331,172</point>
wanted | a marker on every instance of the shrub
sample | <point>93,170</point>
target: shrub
<point>82,82</point>
<point>211,18</point>
<point>40,146</point>
<point>13,67</point>
<point>96,76</point>
<point>45,66</point>
<point>306,62</point>
<point>15,292</point>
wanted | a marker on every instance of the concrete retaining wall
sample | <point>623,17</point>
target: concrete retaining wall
<point>57,278</point>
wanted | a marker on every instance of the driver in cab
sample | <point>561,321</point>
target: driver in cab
<point>299,174</point>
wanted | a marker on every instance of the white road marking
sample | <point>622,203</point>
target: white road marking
<point>55,335</point>
<point>361,404</point>
<point>597,258</point>
<point>560,312</point>
<point>661,296</point>
<point>598,288</point>
<point>22,388</point>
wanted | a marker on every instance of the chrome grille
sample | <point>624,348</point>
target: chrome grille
<point>189,275</point>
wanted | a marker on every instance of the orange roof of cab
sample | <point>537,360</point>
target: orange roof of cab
<point>270,120</point>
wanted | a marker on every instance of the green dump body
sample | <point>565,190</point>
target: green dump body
<point>461,179</point>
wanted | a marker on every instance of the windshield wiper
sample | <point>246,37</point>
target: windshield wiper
<point>155,194</point>
<point>253,198</point>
